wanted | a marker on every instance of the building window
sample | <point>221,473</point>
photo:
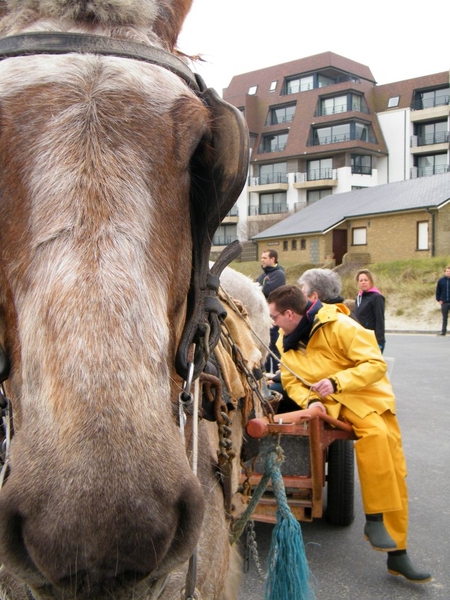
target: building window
<point>314,195</point>
<point>273,173</point>
<point>320,169</point>
<point>331,106</point>
<point>294,245</point>
<point>252,90</point>
<point>303,244</point>
<point>393,102</point>
<point>281,114</point>
<point>430,98</point>
<point>273,86</point>
<point>431,133</point>
<point>285,245</point>
<point>270,204</point>
<point>273,143</point>
<point>422,235</point>
<point>432,164</point>
<point>225,234</point>
<point>342,133</point>
<point>343,103</point>
<point>361,164</point>
<point>359,236</point>
<point>299,84</point>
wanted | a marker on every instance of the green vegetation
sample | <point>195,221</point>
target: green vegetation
<point>413,280</point>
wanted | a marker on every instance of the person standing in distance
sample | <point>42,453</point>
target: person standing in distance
<point>272,277</point>
<point>369,309</point>
<point>443,297</point>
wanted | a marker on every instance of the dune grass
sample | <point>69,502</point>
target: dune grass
<point>412,280</point>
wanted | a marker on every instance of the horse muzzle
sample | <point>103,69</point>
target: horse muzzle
<point>72,536</point>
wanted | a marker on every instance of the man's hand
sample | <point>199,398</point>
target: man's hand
<point>311,411</point>
<point>324,388</point>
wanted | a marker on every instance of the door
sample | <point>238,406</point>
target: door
<point>339,244</point>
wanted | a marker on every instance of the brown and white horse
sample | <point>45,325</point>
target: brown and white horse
<point>99,155</point>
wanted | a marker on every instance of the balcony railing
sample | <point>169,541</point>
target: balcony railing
<point>299,206</point>
<point>361,170</point>
<point>233,212</point>
<point>223,240</point>
<point>267,209</point>
<point>269,178</point>
<point>273,148</point>
<point>341,108</point>
<point>439,137</point>
<point>274,120</point>
<point>295,85</point>
<point>315,174</point>
<point>366,136</point>
<point>427,171</point>
<point>422,103</point>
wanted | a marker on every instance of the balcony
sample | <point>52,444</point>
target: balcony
<point>271,182</point>
<point>361,170</point>
<point>223,240</point>
<point>232,216</point>
<point>424,103</point>
<point>427,171</point>
<point>365,136</point>
<point>264,148</point>
<point>316,178</point>
<point>419,143</point>
<point>341,108</point>
<point>299,206</point>
<point>267,209</point>
<point>277,120</point>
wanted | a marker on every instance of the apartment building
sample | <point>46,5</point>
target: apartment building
<point>321,125</point>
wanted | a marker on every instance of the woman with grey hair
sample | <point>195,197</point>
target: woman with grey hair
<point>323,282</point>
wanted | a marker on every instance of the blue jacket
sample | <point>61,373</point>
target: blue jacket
<point>443,289</point>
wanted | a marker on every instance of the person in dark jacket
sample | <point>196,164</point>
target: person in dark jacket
<point>272,277</point>
<point>443,297</point>
<point>369,308</point>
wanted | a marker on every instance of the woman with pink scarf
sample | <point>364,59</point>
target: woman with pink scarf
<point>369,309</point>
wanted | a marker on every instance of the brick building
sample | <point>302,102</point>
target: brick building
<point>399,220</point>
<point>320,126</point>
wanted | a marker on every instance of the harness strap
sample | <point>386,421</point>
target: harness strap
<point>43,42</point>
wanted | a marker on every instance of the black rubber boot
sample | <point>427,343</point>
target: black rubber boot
<point>398,563</point>
<point>376,534</point>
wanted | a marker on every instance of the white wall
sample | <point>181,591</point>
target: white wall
<point>397,129</point>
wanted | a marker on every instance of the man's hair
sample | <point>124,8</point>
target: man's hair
<point>364,272</point>
<point>271,253</point>
<point>288,297</point>
<point>325,282</point>
<point>447,267</point>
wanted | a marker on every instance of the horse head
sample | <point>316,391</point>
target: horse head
<point>106,164</point>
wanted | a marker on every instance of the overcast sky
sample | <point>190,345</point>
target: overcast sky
<point>395,40</point>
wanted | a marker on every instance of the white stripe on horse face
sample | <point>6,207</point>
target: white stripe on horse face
<point>93,276</point>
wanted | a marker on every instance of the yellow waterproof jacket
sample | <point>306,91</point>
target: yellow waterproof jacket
<point>340,348</point>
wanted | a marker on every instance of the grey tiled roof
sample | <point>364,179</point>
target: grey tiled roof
<point>413,194</point>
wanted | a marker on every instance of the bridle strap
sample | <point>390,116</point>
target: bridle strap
<point>43,42</point>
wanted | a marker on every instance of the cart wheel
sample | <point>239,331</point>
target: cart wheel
<point>341,483</point>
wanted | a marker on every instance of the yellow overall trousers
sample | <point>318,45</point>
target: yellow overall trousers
<point>382,470</point>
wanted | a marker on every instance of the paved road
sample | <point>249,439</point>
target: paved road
<point>342,563</point>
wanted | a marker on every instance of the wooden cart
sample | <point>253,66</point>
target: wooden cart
<point>318,453</point>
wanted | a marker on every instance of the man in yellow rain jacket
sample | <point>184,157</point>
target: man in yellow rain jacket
<point>343,372</point>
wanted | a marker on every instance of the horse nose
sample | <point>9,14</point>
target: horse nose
<point>97,537</point>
